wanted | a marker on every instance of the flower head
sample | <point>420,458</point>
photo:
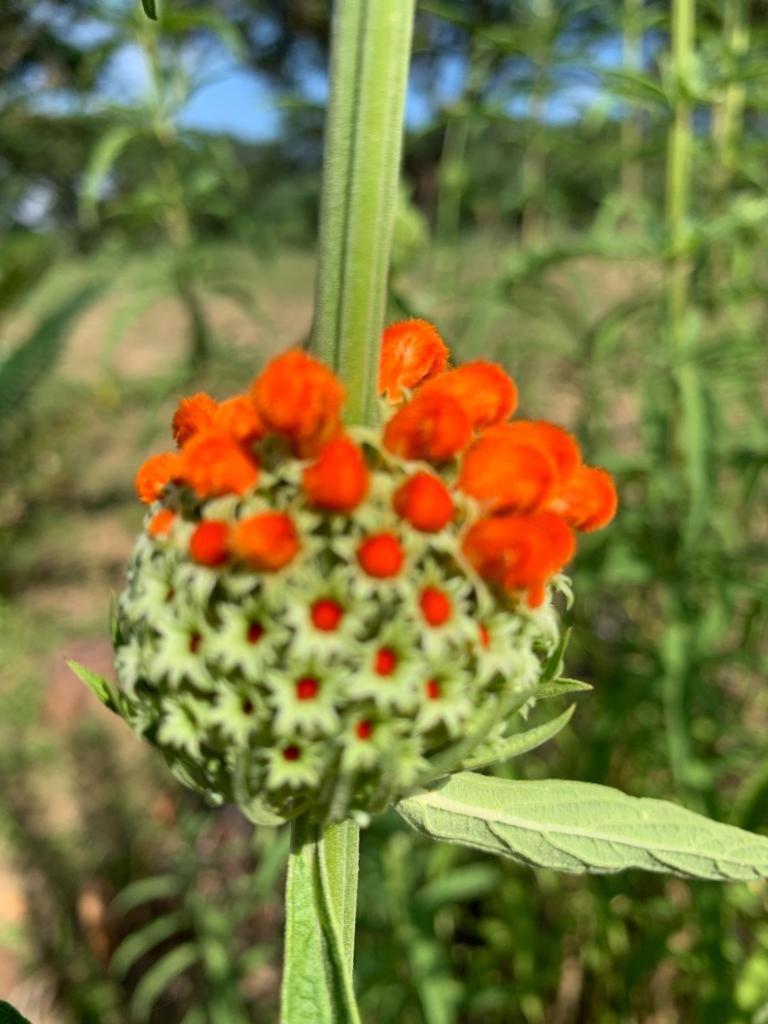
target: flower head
<point>155,474</point>
<point>425,502</point>
<point>193,414</point>
<point>214,464</point>
<point>412,351</point>
<point>484,391</point>
<point>209,544</point>
<point>237,417</point>
<point>381,555</point>
<point>338,480</point>
<point>587,499</point>
<point>300,399</point>
<point>505,473</point>
<point>430,427</point>
<point>267,540</point>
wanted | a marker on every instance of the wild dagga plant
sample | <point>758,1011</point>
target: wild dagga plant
<point>341,602</point>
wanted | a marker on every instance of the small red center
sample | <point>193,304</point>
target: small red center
<point>435,606</point>
<point>433,689</point>
<point>386,662</point>
<point>291,753</point>
<point>248,707</point>
<point>326,615</point>
<point>307,687</point>
<point>364,730</point>
<point>485,636</point>
<point>194,643</point>
<point>255,632</point>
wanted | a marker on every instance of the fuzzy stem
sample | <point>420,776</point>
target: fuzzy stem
<point>369,69</point>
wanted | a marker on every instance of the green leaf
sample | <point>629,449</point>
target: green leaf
<point>150,8</point>
<point>158,887</point>
<point>561,687</point>
<point>580,827</point>
<point>35,356</point>
<point>97,684</point>
<point>10,1016</point>
<point>522,742</point>
<point>103,157</point>
<point>159,977</point>
<point>136,945</point>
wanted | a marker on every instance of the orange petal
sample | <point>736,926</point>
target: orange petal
<point>155,474</point>
<point>588,500</point>
<point>193,414</point>
<point>411,352</point>
<point>381,556</point>
<point>431,427</point>
<point>338,480</point>
<point>209,544</point>
<point>267,541</point>
<point>486,393</point>
<point>504,474</point>
<point>215,464</point>
<point>425,502</point>
<point>237,416</point>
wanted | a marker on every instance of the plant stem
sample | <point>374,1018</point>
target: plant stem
<point>370,54</point>
<point>369,68</point>
<point>631,125</point>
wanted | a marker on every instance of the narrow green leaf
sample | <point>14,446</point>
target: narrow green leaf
<point>102,159</point>
<point>150,8</point>
<point>561,687</point>
<point>580,827</point>
<point>158,887</point>
<point>553,666</point>
<point>97,684</point>
<point>522,742</point>
<point>159,977</point>
<point>135,945</point>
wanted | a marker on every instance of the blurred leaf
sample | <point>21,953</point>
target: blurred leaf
<point>139,943</point>
<point>580,827</point>
<point>522,743</point>
<point>22,370</point>
<point>97,684</point>
<point>561,687</point>
<point>103,157</point>
<point>159,977</point>
<point>150,8</point>
<point>10,1016</point>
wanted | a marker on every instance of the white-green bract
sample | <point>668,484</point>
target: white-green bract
<point>252,698</point>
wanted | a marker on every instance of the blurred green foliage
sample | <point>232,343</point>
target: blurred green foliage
<point>529,235</point>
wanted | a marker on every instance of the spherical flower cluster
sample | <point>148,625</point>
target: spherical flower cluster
<point>320,618</point>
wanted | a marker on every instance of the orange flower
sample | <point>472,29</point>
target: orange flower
<point>267,540</point>
<point>558,444</point>
<point>506,474</point>
<point>298,397</point>
<point>435,606</point>
<point>411,352</point>
<point>193,414</point>
<point>431,427</point>
<point>381,555</point>
<point>209,544</point>
<point>215,464</point>
<point>519,552</point>
<point>338,480</point>
<point>155,475</point>
<point>237,416</point>
<point>483,390</point>
<point>161,522</point>
<point>587,500</point>
<point>425,502</point>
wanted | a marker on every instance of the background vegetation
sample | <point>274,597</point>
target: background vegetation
<point>585,199</point>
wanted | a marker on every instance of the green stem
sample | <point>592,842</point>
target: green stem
<point>369,69</point>
<point>631,126</point>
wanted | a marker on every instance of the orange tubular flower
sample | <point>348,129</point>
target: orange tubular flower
<point>238,417</point>
<point>558,444</point>
<point>412,351</point>
<point>192,415</point>
<point>266,541</point>
<point>505,474</point>
<point>298,397</point>
<point>587,500</point>
<point>338,480</point>
<point>520,552</point>
<point>425,502</point>
<point>155,474</point>
<point>430,427</point>
<point>484,391</point>
<point>381,555</point>
<point>161,523</point>
<point>209,544</point>
<point>215,464</point>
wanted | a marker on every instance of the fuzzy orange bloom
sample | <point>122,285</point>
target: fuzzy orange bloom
<point>155,474</point>
<point>520,552</point>
<point>161,522</point>
<point>587,500</point>
<point>558,444</point>
<point>486,393</point>
<point>435,606</point>
<point>504,474</point>
<point>215,464</point>
<point>425,502</point>
<point>209,544</point>
<point>381,555</point>
<point>298,397</point>
<point>266,541</point>
<point>431,427</point>
<point>237,416</point>
<point>411,352</point>
<point>193,414</point>
<point>338,480</point>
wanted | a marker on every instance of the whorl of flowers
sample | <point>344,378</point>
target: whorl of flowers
<point>321,617</point>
